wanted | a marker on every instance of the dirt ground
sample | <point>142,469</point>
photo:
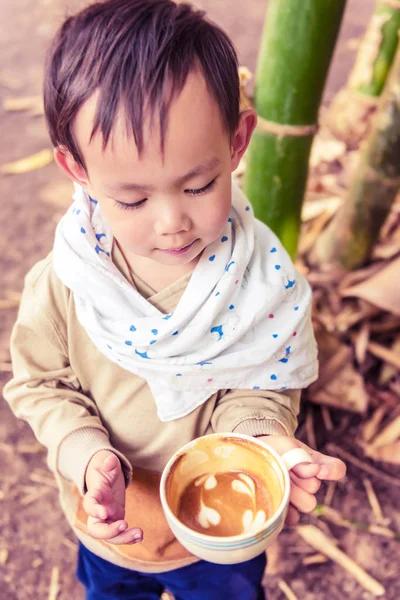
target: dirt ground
<point>34,536</point>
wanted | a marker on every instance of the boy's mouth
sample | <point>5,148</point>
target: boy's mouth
<point>177,251</point>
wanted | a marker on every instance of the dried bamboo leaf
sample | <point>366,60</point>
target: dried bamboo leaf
<point>315,208</point>
<point>381,289</point>
<point>389,453</point>
<point>361,342</point>
<point>30,163</point>
<point>393,358</point>
<point>371,426</point>
<point>388,371</point>
<point>345,391</point>
<point>388,435</point>
<point>321,542</point>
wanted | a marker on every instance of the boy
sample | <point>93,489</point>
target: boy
<point>165,311</point>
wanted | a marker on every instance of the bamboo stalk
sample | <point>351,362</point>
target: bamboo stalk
<point>352,233</point>
<point>296,50</point>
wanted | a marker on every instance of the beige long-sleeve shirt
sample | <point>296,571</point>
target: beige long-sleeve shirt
<point>78,402</point>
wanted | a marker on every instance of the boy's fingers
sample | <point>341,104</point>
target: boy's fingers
<point>110,463</point>
<point>92,506</point>
<point>306,470</point>
<point>302,500</point>
<point>292,517</point>
<point>310,485</point>
<point>115,533</point>
<point>331,468</point>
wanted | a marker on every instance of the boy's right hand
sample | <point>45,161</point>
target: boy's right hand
<point>104,501</point>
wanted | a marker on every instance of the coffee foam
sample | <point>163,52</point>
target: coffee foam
<point>225,486</point>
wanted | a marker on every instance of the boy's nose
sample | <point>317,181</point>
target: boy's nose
<point>171,219</point>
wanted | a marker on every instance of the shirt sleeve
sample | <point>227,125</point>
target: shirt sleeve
<point>46,393</point>
<point>257,412</point>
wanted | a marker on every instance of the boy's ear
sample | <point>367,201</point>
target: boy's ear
<point>67,164</point>
<point>241,139</point>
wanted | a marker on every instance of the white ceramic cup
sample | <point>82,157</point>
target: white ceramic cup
<point>220,453</point>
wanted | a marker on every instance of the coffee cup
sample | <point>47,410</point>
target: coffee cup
<point>226,495</point>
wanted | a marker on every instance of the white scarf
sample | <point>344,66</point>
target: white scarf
<point>243,320</point>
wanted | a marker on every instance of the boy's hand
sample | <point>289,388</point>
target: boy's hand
<point>306,477</point>
<point>104,501</point>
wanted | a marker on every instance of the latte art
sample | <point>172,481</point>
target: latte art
<point>225,504</point>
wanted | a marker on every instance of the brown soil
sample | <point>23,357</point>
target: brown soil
<point>36,535</point>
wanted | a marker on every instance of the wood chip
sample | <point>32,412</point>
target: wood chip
<point>286,590</point>
<point>3,556</point>
<point>373,501</point>
<point>54,584</point>
<point>346,456</point>
<point>37,563</point>
<point>321,542</point>
<point>314,559</point>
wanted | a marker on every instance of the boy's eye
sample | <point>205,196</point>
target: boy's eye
<point>206,188</point>
<point>126,206</point>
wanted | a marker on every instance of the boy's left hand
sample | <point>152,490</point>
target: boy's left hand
<point>306,477</point>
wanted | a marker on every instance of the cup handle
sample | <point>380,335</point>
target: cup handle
<point>295,457</point>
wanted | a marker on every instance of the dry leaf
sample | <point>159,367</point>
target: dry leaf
<point>381,289</point>
<point>30,163</point>
<point>388,435</point>
<point>314,208</point>
<point>389,453</point>
<point>326,150</point>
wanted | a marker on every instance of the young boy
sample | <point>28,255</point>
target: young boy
<point>166,311</point>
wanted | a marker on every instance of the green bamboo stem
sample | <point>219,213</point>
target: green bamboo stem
<point>376,53</point>
<point>297,45</point>
<point>351,235</point>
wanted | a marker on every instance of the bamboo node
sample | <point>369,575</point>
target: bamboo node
<point>282,130</point>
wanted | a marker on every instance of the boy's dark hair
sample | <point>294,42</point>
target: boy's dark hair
<point>137,54</point>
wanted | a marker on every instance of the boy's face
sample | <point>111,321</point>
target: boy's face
<point>166,207</point>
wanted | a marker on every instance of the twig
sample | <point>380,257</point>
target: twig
<point>332,448</point>
<point>321,542</point>
<point>330,493</point>
<point>312,442</point>
<point>326,417</point>
<point>285,589</point>
<point>373,500</point>
<point>54,584</point>
<point>333,516</point>
<point>30,498</point>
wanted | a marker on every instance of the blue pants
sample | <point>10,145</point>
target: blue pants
<point>199,581</point>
